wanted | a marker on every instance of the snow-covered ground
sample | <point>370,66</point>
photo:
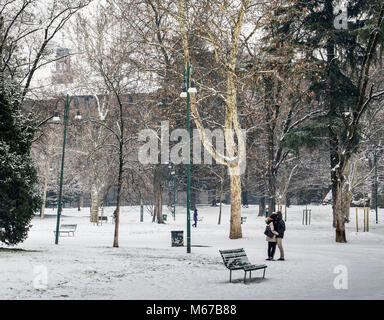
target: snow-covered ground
<point>145,266</point>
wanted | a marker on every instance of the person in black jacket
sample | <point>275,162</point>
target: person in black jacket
<point>280,228</point>
<point>195,218</point>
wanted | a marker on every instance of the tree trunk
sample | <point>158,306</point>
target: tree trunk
<point>118,198</point>
<point>158,207</point>
<point>340,216</point>
<point>333,141</point>
<point>261,206</point>
<point>46,178</point>
<point>120,176</point>
<point>157,194</point>
<point>271,111</point>
<point>221,198</point>
<point>95,201</point>
<point>347,205</point>
<point>372,203</point>
<point>245,189</point>
<point>232,124</point>
<point>80,202</point>
<point>170,197</point>
<point>271,193</point>
<point>235,182</point>
<point>341,204</point>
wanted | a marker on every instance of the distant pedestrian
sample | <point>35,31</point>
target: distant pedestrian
<point>280,229</point>
<point>114,216</point>
<point>271,233</point>
<point>195,218</point>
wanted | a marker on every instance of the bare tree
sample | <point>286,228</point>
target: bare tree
<point>222,26</point>
<point>108,50</point>
<point>27,27</point>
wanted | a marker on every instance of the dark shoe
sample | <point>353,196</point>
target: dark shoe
<point>281,259</point>
<point>268,259</point>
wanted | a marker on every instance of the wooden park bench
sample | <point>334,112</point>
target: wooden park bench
<point>103,218</point>
<point>237,259</point>
<point>67,228</point>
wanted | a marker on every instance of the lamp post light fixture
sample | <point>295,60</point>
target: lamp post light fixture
<point>57,118</point>
<point>78,115</point>
<point>192,88</point>
<point>183,93</point>
<point>188,89</point>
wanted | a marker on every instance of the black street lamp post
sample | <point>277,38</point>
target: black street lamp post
<point>59,204</point>
<point>189,88</point>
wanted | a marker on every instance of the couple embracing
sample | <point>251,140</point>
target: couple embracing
<point>275,232</point>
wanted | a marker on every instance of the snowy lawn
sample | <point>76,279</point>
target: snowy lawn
<point>147,267</point>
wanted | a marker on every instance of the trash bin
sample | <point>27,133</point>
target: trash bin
<point>177,238</point>
<point>164,217</point>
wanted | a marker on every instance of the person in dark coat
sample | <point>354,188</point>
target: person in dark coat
<point>195,218</point>
<point>280,228</point>
<point>271,222</point>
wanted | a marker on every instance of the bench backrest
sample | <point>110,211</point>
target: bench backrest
<point>68,227</point>
<point>234,257</point>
